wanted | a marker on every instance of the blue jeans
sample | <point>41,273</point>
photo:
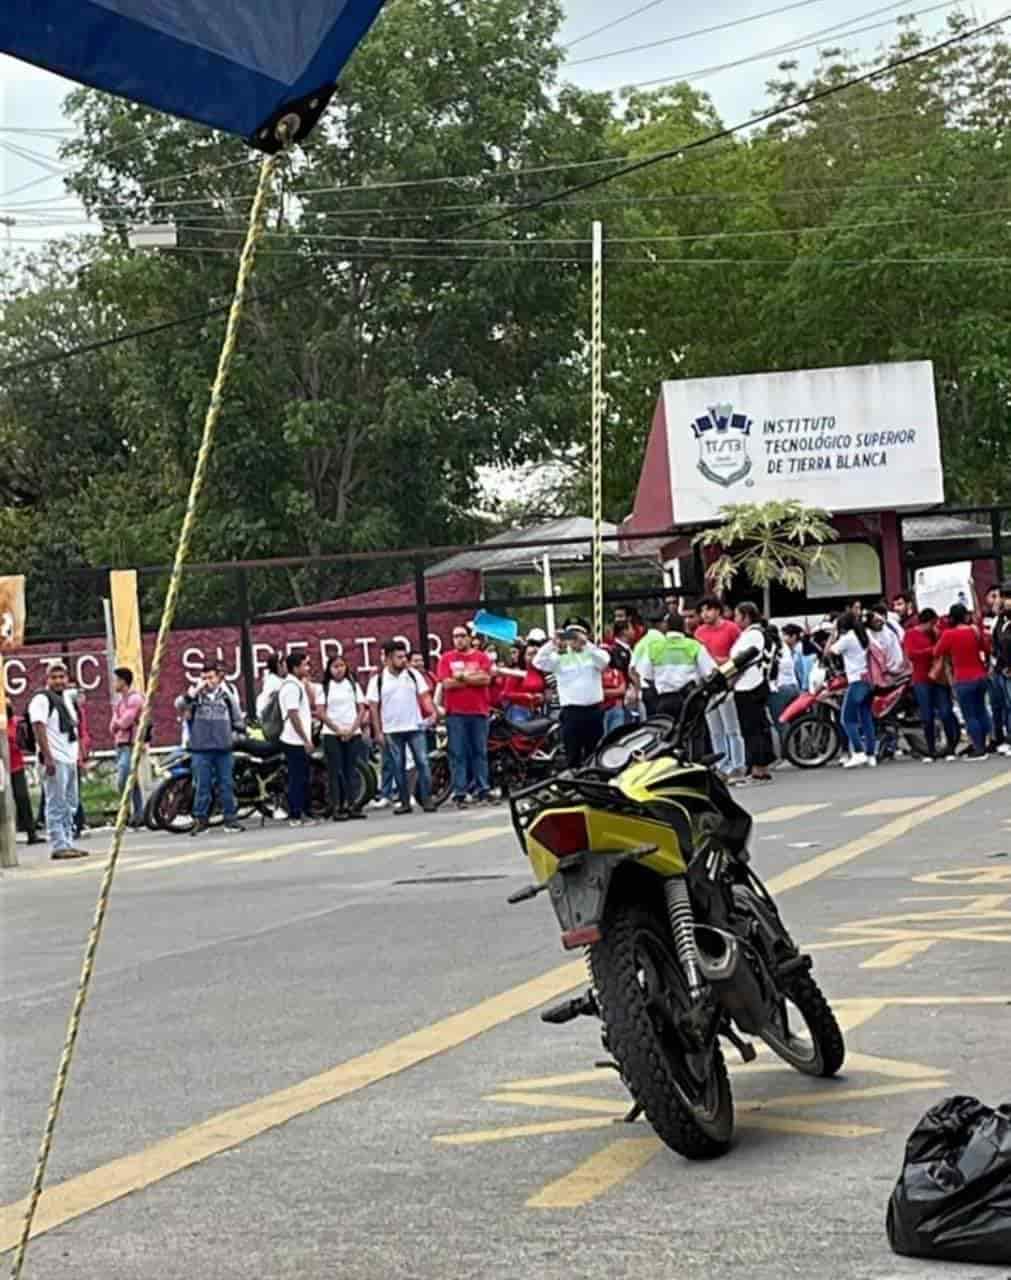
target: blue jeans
<point>297,762</point>
<point>615,717</point>
<point>468,754</point>
<point>999,688</point>
<point>971,695</point>
<point>213,770</point>
<point>857,720</point>
<point>396,751</point>
<point>61,795</point>
<point>122,774</point>
<point>725,735</point>
<point>934,702</point>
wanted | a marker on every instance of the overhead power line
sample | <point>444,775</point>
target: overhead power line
<point>529,206</point>
<point>820,95</point>
<point>703,31</point>
<point>687,35</point>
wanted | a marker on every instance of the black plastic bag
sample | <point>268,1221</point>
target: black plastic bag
<point>952,1201</point>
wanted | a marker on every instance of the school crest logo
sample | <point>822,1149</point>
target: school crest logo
<point>723,438</point>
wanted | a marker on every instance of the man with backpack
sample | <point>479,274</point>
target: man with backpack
<point>214,717</point>
<point>400,702</point>
<point>52,718</point>
<point>126,713</point>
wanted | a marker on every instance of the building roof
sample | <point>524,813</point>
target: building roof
<point>942,528</point>
<point>489,557</point>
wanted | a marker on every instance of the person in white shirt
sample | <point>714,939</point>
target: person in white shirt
<point>853,645</point>
<point>784,684</point>
<point>400,703</point>
<point>296,736</point>
<point>577,665</point>
<point>751,693</point>
<point>53,717</point>
<point>887,635</point>
<point>340,707</point>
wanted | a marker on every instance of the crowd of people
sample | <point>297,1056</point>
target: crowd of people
<point>957,666</point>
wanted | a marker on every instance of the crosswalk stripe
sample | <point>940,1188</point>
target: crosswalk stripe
<point>470,836</point>
<point>890,804</point>
<point>374,842</point>
<point>787,811</point>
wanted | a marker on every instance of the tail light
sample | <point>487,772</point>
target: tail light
<point>562,833</point>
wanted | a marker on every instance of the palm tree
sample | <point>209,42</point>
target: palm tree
<point>770,542</point>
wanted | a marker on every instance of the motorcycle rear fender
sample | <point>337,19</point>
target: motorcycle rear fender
<point>613,833</point>
<point>579,892</point>
<point>803,702</point>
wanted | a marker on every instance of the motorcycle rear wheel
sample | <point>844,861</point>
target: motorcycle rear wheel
<point>812,741</point>
<point>637,979</point>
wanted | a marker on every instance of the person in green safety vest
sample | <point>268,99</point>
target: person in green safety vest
<point>673,663</point>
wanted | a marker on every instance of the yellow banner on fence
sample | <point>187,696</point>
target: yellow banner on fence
<point>12,612</point>
<point>126,623</point>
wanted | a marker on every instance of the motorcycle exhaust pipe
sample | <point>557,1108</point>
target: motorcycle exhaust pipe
<point>731,977</point>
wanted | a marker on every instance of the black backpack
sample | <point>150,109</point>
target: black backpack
<point>24,735</point>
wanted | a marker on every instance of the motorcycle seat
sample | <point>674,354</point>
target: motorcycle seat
<point>533,728</point>
<point>257,747</point>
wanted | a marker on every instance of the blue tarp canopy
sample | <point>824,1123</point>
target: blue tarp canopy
<point>238,65</point>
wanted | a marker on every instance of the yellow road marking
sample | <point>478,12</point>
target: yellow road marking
<point>374,842</point>
<point>813,868</point>
<point>899,1070</point>
<point>471,836</point>
<point>808,1128</point>
<point>889,804</point>
<point>921,1001</point>
<point>479,1136</point>
<point>967,875</point>
<point>278,851</point>
<point>786,812</point>
<point>77,1196</point>
<point>562,1102</point>
<point>900,953</point>
<point>851,1014</point>
<point>593,1177</point>
<point>832,1097</point>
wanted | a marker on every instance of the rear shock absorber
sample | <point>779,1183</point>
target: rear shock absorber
<point>682,923</point>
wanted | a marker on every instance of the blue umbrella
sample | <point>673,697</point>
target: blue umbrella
<point>238,65</point>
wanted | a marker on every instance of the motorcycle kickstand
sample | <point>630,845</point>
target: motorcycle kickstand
<point>745,1048</point>
<point>632,1115</point>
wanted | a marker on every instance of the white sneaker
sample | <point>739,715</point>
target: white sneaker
<point>855,760</point>
<point>380,802</point>
<point>1004,749</point>
<point>926,759</point>
<point>872,762</point>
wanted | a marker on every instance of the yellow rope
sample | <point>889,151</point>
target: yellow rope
<point>253,233</point>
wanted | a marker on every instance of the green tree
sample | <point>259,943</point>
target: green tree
<point>769,542</point>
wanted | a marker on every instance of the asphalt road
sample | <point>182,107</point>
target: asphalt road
<point>310,1054</point>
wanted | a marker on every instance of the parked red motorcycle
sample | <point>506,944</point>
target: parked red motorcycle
<point>522,753</point>
<point>813,726</point>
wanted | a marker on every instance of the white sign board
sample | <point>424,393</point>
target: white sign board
<point>850,439</point>
<point>942,585</point>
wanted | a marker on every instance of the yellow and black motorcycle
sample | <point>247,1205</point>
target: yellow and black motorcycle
<point>644,854</point>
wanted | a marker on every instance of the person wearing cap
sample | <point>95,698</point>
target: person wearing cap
<point>659,620</point>
<point>673,663</point>
<point>578,667</point>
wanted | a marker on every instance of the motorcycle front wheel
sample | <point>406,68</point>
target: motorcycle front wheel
<point>641,992</point>
<point>812,741</point>
<point>804,1031</point>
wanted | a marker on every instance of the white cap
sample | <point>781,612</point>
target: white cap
<point>536,636</point>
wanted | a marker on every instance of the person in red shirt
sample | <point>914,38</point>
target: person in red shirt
<point>465,674</point>
<point>933,694</point>
<point>717,635</point>
<point>19,783</point>
<point>523,696</point>
<point>967,647</point>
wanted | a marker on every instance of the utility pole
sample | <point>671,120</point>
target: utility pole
<point>596,419</point>
<point>8,223</point>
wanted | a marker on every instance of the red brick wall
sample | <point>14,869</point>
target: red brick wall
<point>360,639</point>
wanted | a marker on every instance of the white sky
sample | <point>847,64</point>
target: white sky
<point>30,99</point>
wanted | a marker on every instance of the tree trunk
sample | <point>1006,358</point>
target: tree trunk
<point>767,600</point>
